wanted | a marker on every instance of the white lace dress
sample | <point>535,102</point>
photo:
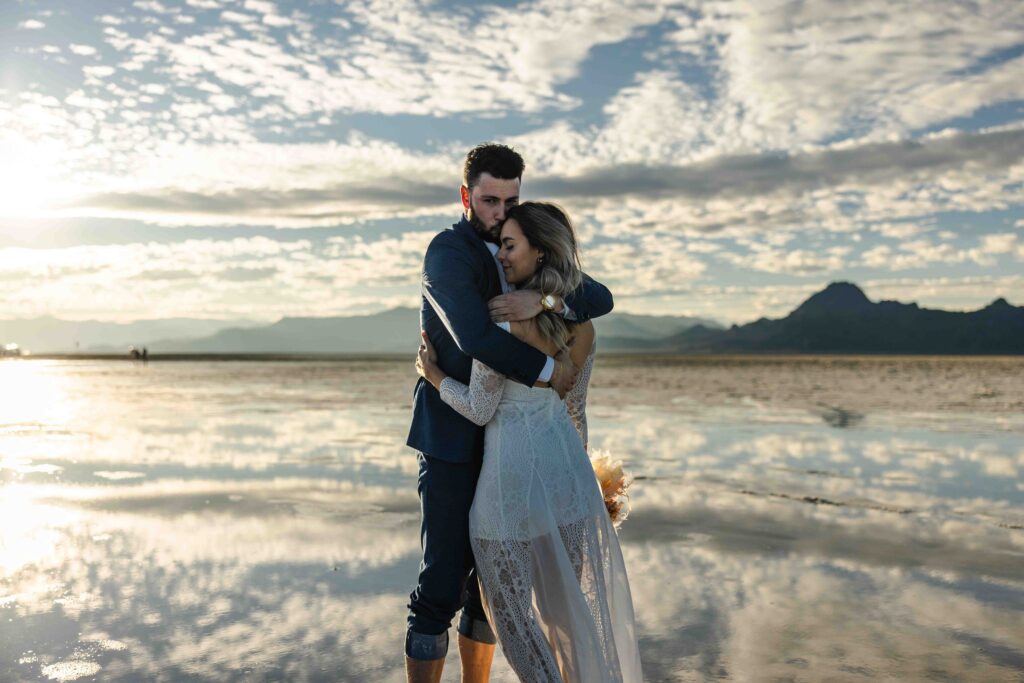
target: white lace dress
<point>554,582</point>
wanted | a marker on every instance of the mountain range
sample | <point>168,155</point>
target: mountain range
<point>838,319</point>
<point>391,331</point>
<point>841,319</point>
<point>46,334</point>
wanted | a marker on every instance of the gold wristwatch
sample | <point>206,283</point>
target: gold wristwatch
<point>548,303</point>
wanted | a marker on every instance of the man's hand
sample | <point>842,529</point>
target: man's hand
<point>564,376</point>
<point>426,362</point>
<point>522,304</point>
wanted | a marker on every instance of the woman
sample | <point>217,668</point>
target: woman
<point>553,579</point>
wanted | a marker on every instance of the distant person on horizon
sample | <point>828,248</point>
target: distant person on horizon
<point>462,290</point>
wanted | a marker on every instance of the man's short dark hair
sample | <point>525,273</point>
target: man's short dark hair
<point>500,161</point>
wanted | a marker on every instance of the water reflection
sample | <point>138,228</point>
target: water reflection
<point>260,523</point>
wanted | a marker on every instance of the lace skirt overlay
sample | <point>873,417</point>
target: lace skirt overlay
<point>552,573</point>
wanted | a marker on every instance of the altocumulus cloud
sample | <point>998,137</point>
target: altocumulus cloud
<point>701,146</point>
<point>745,176</point>
<point>753,175</point>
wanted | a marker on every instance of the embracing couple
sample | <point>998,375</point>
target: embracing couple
<point>514,531</point>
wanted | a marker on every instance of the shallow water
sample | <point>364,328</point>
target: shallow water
<point>793,519</point>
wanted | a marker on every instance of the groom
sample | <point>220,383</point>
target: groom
<point>460,276</point>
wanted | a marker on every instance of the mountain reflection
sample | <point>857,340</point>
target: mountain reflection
<point>205,541</point>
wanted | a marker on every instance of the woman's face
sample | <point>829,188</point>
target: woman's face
<point>517,256</point>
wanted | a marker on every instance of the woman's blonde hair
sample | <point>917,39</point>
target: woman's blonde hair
<point>548,228</point>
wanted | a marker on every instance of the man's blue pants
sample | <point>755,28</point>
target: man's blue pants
<point>447,580</point>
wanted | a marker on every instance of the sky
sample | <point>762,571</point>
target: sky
<point>254,159</point>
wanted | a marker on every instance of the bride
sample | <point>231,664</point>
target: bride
<point>553,578</point>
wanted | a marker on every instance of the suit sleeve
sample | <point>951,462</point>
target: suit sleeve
<point>590,300</point>
<point>451,286</point>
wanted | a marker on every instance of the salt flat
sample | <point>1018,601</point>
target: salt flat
<point>793,518</point>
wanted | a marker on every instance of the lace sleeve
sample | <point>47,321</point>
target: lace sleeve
<point>478,401</point>
<point>576,399</point>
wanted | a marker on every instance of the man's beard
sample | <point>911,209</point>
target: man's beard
<point>487,234</point>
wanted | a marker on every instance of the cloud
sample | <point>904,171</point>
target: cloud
<point>922,253</point>
<point>790,261</point>
<point>266,184</point>
<point>408,58</point>
<point>897,230</point>
<point>334,204</point>
<point>797,73</point>
<point>999,243</point>
<point>911,255</point>
<point>237,17</point>
<point>747,78</point>
<point>31,25</point>
<point>260,6</point>
<point>795,139</point>
<point>98,71</point>
<point>550,39</point>
<point>246,274</point>
<point>397,182</point>
<point>651,265</point>
<point>759,174</point>
<point>153,6</point>
<point>216,278</point>
<point>946,292</point>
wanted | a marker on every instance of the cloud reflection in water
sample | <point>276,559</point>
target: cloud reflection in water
<point>256,545</point>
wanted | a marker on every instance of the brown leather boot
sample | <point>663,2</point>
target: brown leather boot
<point>476,660</point>
<point>423,670</point>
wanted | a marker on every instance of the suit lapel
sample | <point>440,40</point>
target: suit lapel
<point>493,284</point>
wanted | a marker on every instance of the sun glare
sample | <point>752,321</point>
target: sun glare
<point>28,187</point>
<point>30,532</point>
<point>31,393</point>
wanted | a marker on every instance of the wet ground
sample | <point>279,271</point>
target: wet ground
<point>793,519</point>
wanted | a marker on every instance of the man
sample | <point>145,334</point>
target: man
<point>460,277</point>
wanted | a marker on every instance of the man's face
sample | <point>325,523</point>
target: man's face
<point>488,202</point>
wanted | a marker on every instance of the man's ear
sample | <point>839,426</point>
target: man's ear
<point>464,191</point>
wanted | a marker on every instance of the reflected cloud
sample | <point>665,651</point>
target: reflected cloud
<point>766,615</point>
<point>119,475</point>
<point>259,521</point>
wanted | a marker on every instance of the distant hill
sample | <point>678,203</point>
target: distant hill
<point>627,326</point>
<point>51,335</point>
<point>392,331</point>
<point>841,319</point>
<point>838,319</point>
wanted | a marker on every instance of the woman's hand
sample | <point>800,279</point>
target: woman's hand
<point>426,363</point>
<point>516,306</point>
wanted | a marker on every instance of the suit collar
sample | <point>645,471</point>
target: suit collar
<point>464,227</point>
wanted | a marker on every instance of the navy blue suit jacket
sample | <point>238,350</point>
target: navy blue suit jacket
<point>459,277</point>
